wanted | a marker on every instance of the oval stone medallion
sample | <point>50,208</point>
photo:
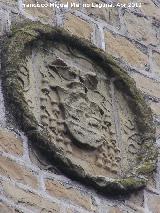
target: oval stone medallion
<point>79,107</point>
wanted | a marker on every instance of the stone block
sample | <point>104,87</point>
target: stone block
<point>109,15</point>
<point>149,9</point>
<point>27,199</point>
<point>114,210</point>
<point>147,85</point>
<point>77,26</point>
<point>121,48</point>
<point>6,209</point>
<point>140,28</point>
<point>9,143</point>
<point>44,13</point>
<point>14,171</point>
<point>59,190</point>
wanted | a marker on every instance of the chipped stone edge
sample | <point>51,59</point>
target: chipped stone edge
<point>13,55</point>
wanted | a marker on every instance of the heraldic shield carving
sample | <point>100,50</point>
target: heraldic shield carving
<point>79,107</point>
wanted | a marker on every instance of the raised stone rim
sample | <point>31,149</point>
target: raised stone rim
<point>12,56</point>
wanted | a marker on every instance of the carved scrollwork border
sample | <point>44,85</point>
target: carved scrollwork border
<point>12,56</point>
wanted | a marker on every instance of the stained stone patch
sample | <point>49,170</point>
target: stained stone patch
<point>80,108</point>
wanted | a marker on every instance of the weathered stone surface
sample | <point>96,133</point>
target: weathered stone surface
<point>71,210</point>
<point>10,2</point>
<point>44,13</point>
<point>156,63</point>
<point>30,200</point>
<point>122,48</point>
<point>9,143</point>
<point>149,9</point>
<point>4,20</point>
<point>117,209</point>
<point>155,106</point>
<point>147,85</point>
<point>58,190</point>
<point>6,209</point>
<point>75,26</point>
<point>109,15</point>
<point>113,210</point>
<point>14,171</point>
<point>153,203</point>
<point>68,91</point>
<point>136,203</point>
<point>141,28</point>
<point>158,131</point>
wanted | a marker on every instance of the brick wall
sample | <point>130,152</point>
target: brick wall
<point>132,37</point>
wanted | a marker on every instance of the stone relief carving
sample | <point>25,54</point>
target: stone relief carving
<point>89,122</point>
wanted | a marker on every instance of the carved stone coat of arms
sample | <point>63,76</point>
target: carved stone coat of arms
<point>77,105</point>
